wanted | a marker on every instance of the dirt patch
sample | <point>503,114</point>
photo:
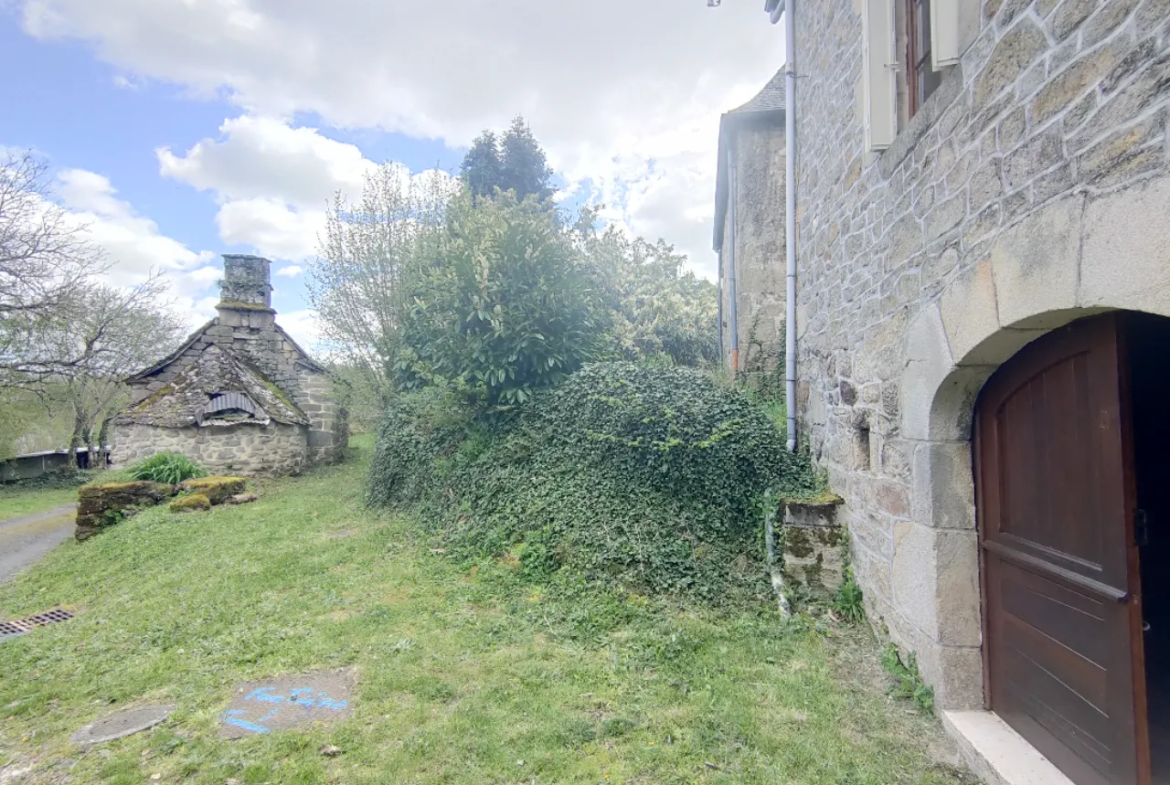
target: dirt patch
<point>288,702</point>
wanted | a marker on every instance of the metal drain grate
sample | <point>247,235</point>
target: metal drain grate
<point>21,626</point>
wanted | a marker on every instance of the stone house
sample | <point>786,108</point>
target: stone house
<point>749,229</point>
<point>239,396</point>
<point>983,281</point>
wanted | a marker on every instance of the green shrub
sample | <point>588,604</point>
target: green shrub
<point>166,467</point>
<point>849,601</point>
<point>636,478</point>
<point>500,306</point>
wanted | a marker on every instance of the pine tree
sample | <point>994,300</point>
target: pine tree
<point>524,166</point>
<point>482,168</point>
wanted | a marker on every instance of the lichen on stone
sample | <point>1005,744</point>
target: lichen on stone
<point>216,489</point>
<point>196,502</point>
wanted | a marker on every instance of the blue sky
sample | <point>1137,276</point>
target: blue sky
<point>262,108</point>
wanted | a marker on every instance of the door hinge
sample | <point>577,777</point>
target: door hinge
<point>1141,528</point>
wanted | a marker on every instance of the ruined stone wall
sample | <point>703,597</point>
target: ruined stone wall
<point>248,450</point>
<point>328,421</point>
<point>1056,114</point>
<point>759,238</point>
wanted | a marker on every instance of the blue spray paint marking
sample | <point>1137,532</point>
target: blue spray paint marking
<point>295,697</point>
<point>231,718</point>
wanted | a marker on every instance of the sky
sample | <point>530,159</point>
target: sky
<point>179,130</point>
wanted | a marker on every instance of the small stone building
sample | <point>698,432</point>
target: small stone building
<point>983,286</point>
<point>239,396</point>
<point>749,228</point>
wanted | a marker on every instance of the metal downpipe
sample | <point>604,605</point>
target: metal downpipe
<point>786,7</point>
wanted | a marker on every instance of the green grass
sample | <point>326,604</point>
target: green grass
<point>17,501</point>
<point>465,675</point>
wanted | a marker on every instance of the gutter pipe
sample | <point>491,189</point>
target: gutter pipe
<point>785,7</point>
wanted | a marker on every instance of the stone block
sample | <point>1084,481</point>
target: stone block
<point>946,217</point>
<point>1102,24</point>
<point>1018,48</point>
<point>814,544</point>
<point>195,502</point>
<point>1069,15</point>
<point>1126,254</point>
<point>103,505</point>
<point>1124,155</point>
<point>928,362</point>
<point>955,673</point>
<point>969,311</point>
<point>914,569</point>
<point>957,591</point>
<point>1039,154</point>
<point>1035,262</point>
<point>321,438</point>
<point>944,488</point>
<point>1071,84</point>
<point>216,489</point>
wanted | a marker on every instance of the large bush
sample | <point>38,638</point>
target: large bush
<point>500,306</point>
<point>641,478</point>
<point>658,308</point>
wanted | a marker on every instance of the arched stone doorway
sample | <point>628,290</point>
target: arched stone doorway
<point>1070,465</point>
<point>1104,259</point>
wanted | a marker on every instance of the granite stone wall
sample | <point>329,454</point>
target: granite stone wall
<point>247,450</point>
<point>1031,188</point>
<point>758,150</point>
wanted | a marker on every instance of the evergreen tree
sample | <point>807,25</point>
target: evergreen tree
<point>482,168</point>
<point>524,166</point>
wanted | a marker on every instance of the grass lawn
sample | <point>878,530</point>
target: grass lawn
<point>17,501</point>
<point>464,675</point>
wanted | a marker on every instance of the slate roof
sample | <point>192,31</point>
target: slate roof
<point>195,336</point>
<point>185,400</point>
<point>766,106</point>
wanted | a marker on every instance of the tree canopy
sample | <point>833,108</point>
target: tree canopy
<point>514,162</point>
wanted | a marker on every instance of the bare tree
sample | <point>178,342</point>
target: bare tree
<point>354,282</point>
<point>46,261</point>
<point>113,333</point>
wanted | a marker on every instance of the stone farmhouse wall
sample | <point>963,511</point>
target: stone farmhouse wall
<point>249,450</point>
<point>1032,188</point>
<point>759,243</point>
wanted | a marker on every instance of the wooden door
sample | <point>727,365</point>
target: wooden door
<point>1062,616</point>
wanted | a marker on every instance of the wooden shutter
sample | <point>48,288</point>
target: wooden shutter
<point>944,33</point>
<point>879,74</point>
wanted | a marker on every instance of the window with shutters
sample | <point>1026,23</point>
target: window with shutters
<point>921,77</point>
<point>907,46</point>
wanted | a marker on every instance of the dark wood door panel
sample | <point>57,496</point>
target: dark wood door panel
<point>1055,506</point>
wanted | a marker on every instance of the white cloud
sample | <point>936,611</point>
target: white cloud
<point>291,271</point>
<point>271,227</point>
<point>133,245</point>
<point>304,327</point>
<point>260,157</point>
<point>624,94</point>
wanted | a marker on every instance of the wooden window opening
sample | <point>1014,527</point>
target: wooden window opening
<point>921,78</point>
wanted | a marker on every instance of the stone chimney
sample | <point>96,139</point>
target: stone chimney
<point>245,298</point>
<point>247,283</point>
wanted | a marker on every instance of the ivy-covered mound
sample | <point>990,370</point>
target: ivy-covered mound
<point>640,478</point>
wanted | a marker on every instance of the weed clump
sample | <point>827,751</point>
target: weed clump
<point>170,468</point>
<point>642,479</point>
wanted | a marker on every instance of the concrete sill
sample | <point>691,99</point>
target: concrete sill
<point>998,754</point>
